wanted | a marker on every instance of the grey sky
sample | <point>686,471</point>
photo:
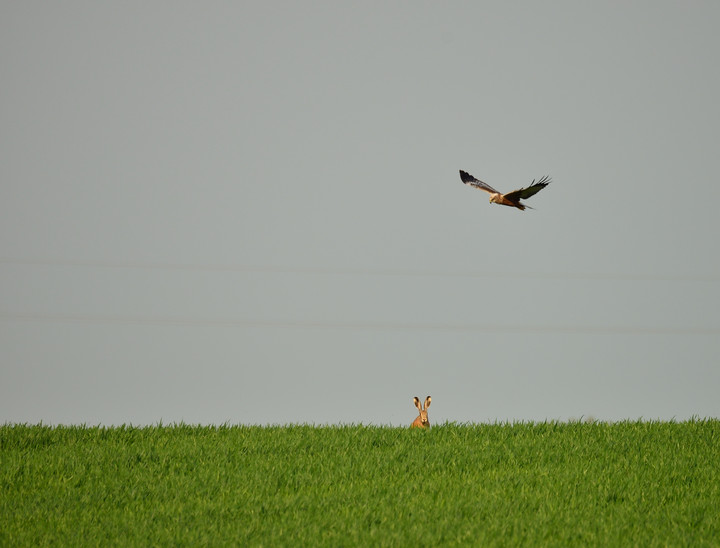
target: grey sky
<point>251,212</point>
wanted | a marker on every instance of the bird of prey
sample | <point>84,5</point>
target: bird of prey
<point>511,199</point>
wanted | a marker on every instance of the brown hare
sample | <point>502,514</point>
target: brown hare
<point>422,419</point>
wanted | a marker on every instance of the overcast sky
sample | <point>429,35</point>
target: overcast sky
<point>250,212</point>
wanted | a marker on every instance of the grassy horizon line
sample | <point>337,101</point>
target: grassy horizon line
<point>229,424</point>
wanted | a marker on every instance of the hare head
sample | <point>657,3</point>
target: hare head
<point>422,419</point>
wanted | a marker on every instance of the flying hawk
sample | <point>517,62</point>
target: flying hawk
<point>511,198</point>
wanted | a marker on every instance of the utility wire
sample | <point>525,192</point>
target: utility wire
<point>360,325</point>
<point>360,271</point>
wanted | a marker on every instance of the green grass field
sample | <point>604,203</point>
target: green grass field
<point>545,484</point>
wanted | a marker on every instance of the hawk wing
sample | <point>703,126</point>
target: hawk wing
<point>524,193</point>
<point>472,181</point>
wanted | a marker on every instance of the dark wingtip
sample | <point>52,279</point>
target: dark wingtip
<point>466,177</point>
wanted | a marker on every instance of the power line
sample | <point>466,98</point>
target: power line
<point>360,325</point>
<point>361,271</point>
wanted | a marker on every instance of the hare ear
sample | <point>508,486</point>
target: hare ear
<point>417,403</point>
<point>427,402</point>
